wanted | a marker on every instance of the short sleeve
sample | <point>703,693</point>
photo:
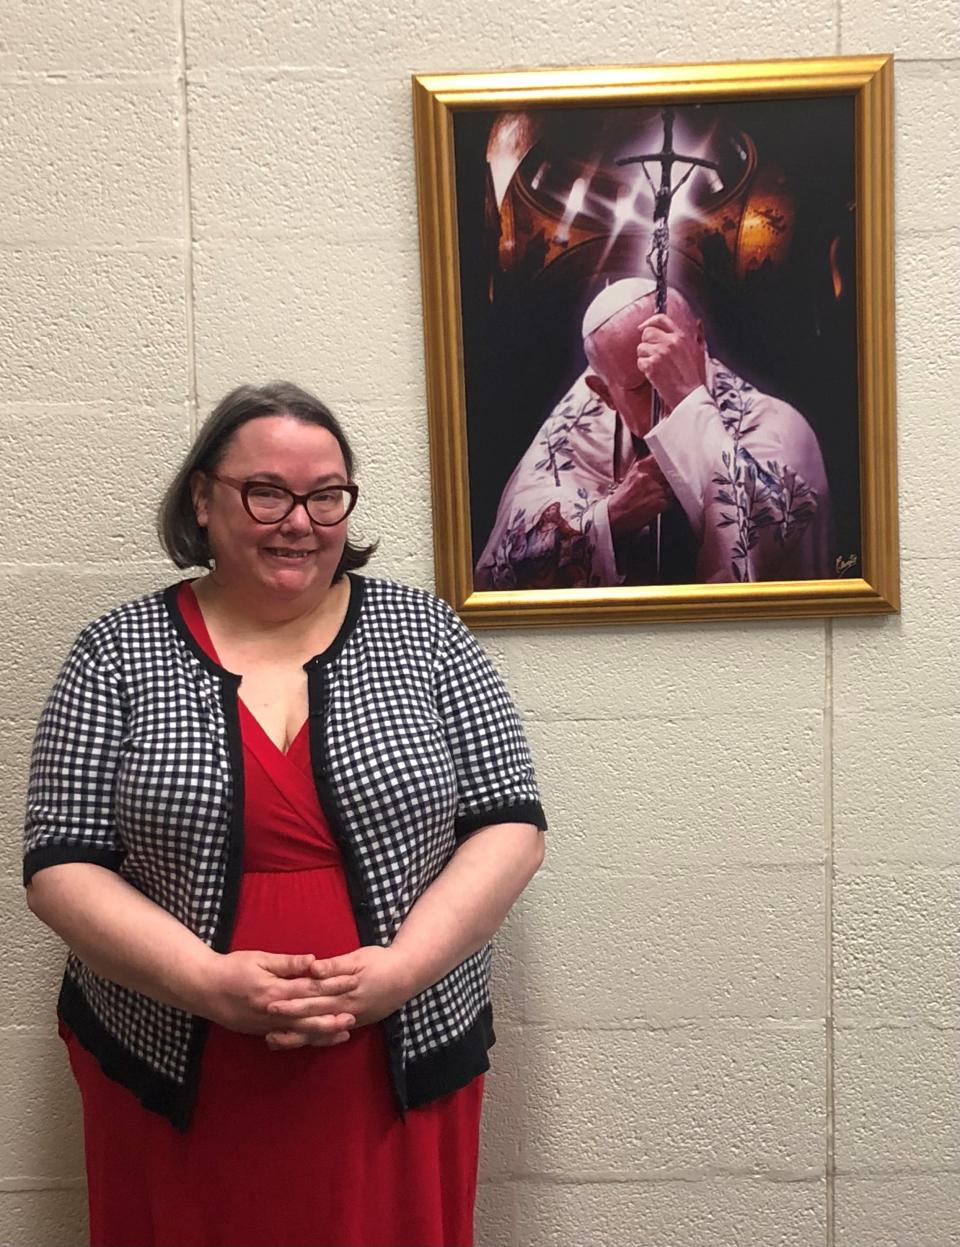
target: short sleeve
<point>495,778</point>
<point>70,815</point>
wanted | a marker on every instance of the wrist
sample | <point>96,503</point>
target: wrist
<point>198,980</point>
<point>410,977</point>
<point>617,510</point>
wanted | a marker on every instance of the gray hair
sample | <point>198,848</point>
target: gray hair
<point>180,535</point>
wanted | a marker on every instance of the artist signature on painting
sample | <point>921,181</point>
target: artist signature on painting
<point>845,564</point>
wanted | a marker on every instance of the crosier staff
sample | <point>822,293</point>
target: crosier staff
<point>658,257</point>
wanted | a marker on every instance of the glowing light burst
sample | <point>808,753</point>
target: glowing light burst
<point>575,201</point>
<point>687,184</point>
<point>632,207</point>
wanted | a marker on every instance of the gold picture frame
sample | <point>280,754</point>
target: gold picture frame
<point>447,105</point>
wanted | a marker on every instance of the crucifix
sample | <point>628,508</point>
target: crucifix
<point>658,257</point>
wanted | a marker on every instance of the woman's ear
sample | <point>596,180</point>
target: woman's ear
<point>200,493</point>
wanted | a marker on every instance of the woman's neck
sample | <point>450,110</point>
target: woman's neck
<point>242,615</point>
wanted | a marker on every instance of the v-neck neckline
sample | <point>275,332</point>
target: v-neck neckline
<point>192,614</point>
<point>267,738</point>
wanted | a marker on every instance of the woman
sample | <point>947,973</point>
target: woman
<point>277,813</point>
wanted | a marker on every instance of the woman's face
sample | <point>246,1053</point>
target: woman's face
<point>293,556</point>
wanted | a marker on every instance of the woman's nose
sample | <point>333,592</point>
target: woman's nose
<point>298,521</point>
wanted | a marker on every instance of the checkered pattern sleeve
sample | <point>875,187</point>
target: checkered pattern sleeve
<point>495,778</point>
<point>70,815</point>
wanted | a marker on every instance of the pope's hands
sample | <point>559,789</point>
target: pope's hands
<point>240,989</point>
<point>639,498</point>
<point>671,358</point>
<point>368,985</point>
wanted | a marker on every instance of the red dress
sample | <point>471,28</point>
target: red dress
<point>285,1149</point>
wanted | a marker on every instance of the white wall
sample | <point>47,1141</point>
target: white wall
<point>738,968</point>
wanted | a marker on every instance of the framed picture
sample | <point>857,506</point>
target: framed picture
<point>658,309</point>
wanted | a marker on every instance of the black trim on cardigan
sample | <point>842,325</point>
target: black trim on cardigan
<point>154,1090</point>
<point>233,877</point>
<point>359,900</point>
<point>354,605</point>
<point>55,854</point>
<point>452,1067</point>
<point>526,812</point>
<point>171,602</point>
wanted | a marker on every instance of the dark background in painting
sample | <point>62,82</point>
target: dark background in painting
<point>783,328</point>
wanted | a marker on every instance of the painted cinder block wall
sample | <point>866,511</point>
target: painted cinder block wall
<point>728,1007</point>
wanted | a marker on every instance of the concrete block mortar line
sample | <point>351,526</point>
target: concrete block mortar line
<point>697,715</point>
<point>733,1024</point>
<point>830,1157</point>
<point>81,77</point>
<point>185,173</point>
<point>655,869</point>
<point>52,243</point>
<point>689,1177</point>
<point>85,571</point>
<point>901,1022</point>
<point>659,1177</point>
<point>11,1185</point>
<point>868,1173</point>
<point>894,867</point>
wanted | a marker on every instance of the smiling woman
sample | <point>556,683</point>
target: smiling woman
<point>277,813</point>
<point>292,552</point>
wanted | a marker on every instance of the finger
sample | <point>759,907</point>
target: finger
<point>659,320</point>
<point>287,965</point>
<point>653,333</point>
<point>331,967</point>
<point>294,989</point>
<point>328,1041</point>
<point>648,467</point>
<point>319,1027</point>
<point>285,1041</point>
<point>338,985</point>
<point>311,1007</point>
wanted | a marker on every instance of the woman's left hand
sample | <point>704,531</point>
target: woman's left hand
<point>380,989</point>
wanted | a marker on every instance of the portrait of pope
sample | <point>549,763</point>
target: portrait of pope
<point>660,344</point>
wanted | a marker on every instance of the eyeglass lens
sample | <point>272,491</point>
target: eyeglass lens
<point>270,503</point>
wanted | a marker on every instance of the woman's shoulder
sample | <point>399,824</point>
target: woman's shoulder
<point>134,620</point>
<point>392,607</point>
<point>383,594</point>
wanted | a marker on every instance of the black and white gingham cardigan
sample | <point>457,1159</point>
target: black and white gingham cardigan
<point>137,766</point>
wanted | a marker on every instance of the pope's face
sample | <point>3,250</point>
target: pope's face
<point>294,556</point>
<point>613,372</point>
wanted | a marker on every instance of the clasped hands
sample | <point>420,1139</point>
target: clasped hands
<point>295,1000</point>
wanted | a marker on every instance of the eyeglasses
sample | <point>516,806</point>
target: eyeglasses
<point>269,504</point>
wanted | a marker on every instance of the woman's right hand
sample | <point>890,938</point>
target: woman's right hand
<point>239,987</point>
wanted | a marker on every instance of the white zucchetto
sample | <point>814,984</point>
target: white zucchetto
<point>613,299</point>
